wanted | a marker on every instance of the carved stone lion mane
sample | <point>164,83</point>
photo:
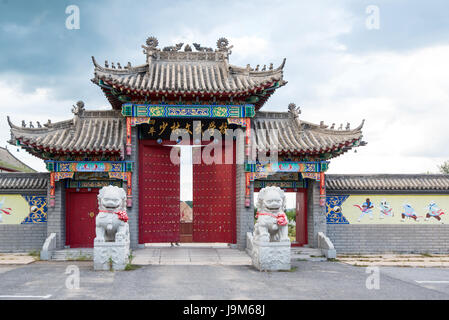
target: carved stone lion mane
<point>111,221</point>
<point>272,223</point>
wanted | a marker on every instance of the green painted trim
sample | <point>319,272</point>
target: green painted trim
<point>188,111</point>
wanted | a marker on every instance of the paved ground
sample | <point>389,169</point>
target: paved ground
<point>399,260</point>
<point>16,258</point>
<point>190,255</point>
<point>307,280</point>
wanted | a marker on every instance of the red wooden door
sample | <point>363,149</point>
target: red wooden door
<point>213,201</point>
<point>82,209</point>
<point>159,212</point>
<point>301,217</point>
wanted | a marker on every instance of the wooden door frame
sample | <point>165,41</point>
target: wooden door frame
<point>302,190</point>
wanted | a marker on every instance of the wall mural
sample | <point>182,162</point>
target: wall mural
<point>387,209</point>
<point>18,209</point>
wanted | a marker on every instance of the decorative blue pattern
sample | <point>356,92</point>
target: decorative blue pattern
<point>334,214</point>
<point>38,210</point>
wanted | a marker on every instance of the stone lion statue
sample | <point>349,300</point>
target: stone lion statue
<point>272,223</point>
<point>112,220</point>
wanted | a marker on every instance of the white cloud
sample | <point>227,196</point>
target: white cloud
<point>38,105</point>
<point>404,99</point>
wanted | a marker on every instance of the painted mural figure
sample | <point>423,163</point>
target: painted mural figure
<point>366,208</point>
<point>3,210</point>
<point>409,212</point>
<point>434,211</point>
<point>385,209</point>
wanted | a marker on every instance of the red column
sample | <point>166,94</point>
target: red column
<point>322,189</point>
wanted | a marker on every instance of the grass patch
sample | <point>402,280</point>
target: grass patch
<point>426,255</point>
<point>80,257</point>
<point>332,260</point>
<point>131,267</point>
<point>35,254</point>
<point>292,269</point>
<point>360,265</point>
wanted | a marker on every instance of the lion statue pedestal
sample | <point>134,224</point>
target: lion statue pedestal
<point>111,244</point>
<point>269,246</point>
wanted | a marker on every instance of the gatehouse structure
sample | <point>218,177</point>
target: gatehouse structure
<point>194,97</point>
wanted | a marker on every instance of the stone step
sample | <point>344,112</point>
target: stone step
<point>72,254</point>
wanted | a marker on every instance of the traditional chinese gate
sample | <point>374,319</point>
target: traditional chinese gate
<point>214,205</point>
<point>159,194</point>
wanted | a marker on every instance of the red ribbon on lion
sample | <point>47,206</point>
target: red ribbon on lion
<point>121,214</point>
<point>281,217</point>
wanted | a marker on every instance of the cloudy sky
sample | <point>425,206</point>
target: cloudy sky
<point>338,70</point>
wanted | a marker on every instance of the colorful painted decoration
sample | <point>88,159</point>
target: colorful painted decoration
<point>118,175</point>
<point>280,183</point>
<point>38,209</point>
<point>271,168</point>
<point>92,183</point>
<point>434,211</point>
<point>366,209</point>
<point>18,209</point>
<point>188,111</point>
<point>128,136</point>
<point>63,175</point>
<point>3,209</point>
<point>238,121</point>
<point>322,189</point>
<point>333,210</point>
<point>311,175</point>
<point>386,209</point>
<point>134,121</point>
<point>89,166</point>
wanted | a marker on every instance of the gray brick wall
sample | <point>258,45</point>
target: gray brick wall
<point>244,216</point>
<point>133,212</point>
<point>382,238</point>
<point>316,215</point>
<point>22,237</point>
<point>56,216</point>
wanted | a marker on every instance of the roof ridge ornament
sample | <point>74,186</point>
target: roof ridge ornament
<point>294,110</point>
<point>176,47</point>
<point>222,44</point>
<point>152,42</point>
<point>78,110</point>
<point>199,48</point>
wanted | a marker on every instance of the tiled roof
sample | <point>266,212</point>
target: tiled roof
<point>186,72</point>
<point>87,132</point>
<point>372,182</point>
<point>186,76</point>
<point>300,137</point>
<point>24,181</point>
<point>10,163</point>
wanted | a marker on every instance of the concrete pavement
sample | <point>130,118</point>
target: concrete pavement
<point>307,280</point>
<point>190,255</point>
